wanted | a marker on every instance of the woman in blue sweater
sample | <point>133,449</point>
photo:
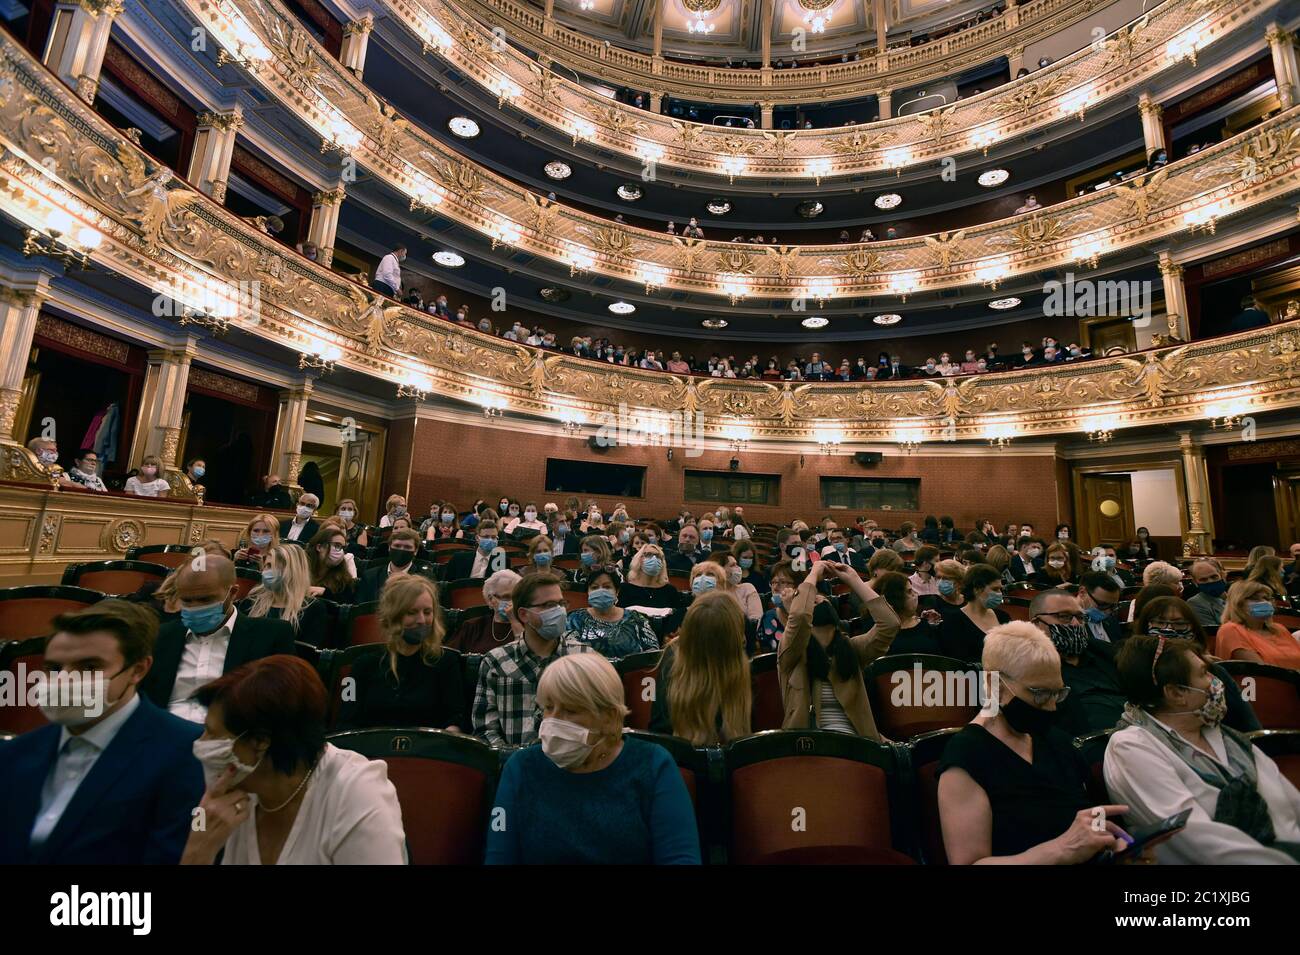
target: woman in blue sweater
<point>586,795</point>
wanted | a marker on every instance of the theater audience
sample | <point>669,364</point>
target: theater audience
<point>529,522</point>
<point>887,560</point>
<point>950,579</point>
<point>648,585</point>
<point>211,638</point>
<point>1028,560</point>
<point>820,668</point>
<point>750,602</point>
<point>130,758</point>
<point>1248,631</point>
<point>1087,666</point>
<point>394,507</point>
<point>84,472</point>
<point>444,527</point>
<point>149,482</point>
<point>277,793</point>
<point>923,580</point>
<point>282,595</point>
<point>1146,547</point>
<point>603,625</point>
<point>588,794</point>
<point>505,711</point>
<point>771,628</point>
<point>259,536</point>
<point>702,686</point>
<point>916,634</point>
<point>962,630</point>
<point>747,556</point>
<point>687,552</point>
<point>333,569</point>
<point>1011,785</point>
<point>1173,753</point>
<point>416,681</point>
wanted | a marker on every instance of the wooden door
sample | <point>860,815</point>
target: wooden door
<point>1107,516</point>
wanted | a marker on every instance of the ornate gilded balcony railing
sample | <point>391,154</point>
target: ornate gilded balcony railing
<point>58,155</point>
<point>896,69</point>
<point>1128,59</point>
<point>1257,165</point>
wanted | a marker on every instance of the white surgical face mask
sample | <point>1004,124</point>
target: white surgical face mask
<point>565,744</point>
<point>77,714</point>
<point>216,754</point>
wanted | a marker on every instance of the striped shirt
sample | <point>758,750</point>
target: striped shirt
<point>832,716</point>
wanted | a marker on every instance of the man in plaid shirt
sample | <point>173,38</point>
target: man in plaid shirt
<point>505,703</point>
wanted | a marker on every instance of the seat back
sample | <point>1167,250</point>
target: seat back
<point>768,711</point>
<point>1017,610</point>
<point>915,693</point>
<point>575,597</point>
<point>114,576</point>
<point>571,562</point>
<point>28,611</point>
<point>1283,747</point>
<point>245,580</point>
<point>444,783</point>
<point>463,594</point>
<point>1273,692</point>
<point>335,666</point>
<point>363,624</point>
<point>810,797</point>
<point>638,672</point>
<point>20,657</point>
<point>1093,749</point>
<point>168,555</point>
<point>924,753</point>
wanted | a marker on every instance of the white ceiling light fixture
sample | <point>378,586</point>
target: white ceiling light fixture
<point>628,192</point>
<point>815,321</point>
<point>463,126</point>
<point>718,207</point>
<point>714,323</point>
<point>452,260</point>
<point>891,318</point>
<point>1002,304</point>
<point>817,14</point>
<point>558,170</point>
<point>889,200</point>
<point>700,11</point>
<point>622,308</point>
<point>993,177</point>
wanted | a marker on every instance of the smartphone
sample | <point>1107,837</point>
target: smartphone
<point>254,551</point>
<point>1151,835</point>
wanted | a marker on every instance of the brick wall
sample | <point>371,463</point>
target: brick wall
<point>463,463</point>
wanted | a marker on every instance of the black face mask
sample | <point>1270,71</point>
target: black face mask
<point>400,558</point>
<point>1026,718</point>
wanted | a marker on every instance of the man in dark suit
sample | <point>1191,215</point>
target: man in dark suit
<point>687,553</point>
<point>275,497</point>
<point>1029,559</point>
<point>112,779</point>
<point>894,371</point>
<point>478,562</point>
<point>303,525</point>
<point>210,639</point>
<point>403,545</point>
<point>1099,597</point>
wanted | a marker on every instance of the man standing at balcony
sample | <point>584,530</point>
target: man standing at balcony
<point>388,277</point>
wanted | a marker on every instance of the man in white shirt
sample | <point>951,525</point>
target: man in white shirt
<point>302,527</point>
<point>388,276</point>
<point>464,565</point>
<point>210,639</point>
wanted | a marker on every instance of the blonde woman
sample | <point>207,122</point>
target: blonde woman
<point>589,795</point>
<point>282,595</point>
<point>951,575</point>
<point>1056,570</point>
<point>885,561</point>
<point>1248,631</point>
<point>595,552</point>
<point>999,558</point>
<point>149,482</point>
<point>1268,571</point>
<point>394,507</point>
<point>346,512</point>
<point>415,681</point>
<point>649,589</point>
<point>703,691</point>
<point>259,536</point>
<point>541,552</point>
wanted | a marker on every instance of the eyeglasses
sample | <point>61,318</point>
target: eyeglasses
<point>1103,605</point>
<point>549,605</point>
<point>1042,695</point>
<point>1064,616</point>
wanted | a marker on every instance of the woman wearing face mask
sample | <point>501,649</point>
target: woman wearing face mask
<point>1248,631</point>
<point>648,587</point>
<point>924,582</point>
<point>481,634</point>
<point>918,631</point>
<point>751,571</point>
<point>1064,532</point>
<point>702,691</point>
<point>394,507</point>
<point>277,793</point>
<point>1173,618</point>
<point>771,628</point>
<point>261,534</point>
<point>949,576</point>
<point>444,528</point>
<point>541,557</point>
<point>1056,568</point>
<point>1147,549</point>
<point>416,681</point>
<point>527,521</point>
<point>1174,752</point>
<point>751,604</point>
<point>820,668</point>
<point>963,630</point>
<point>149,482</point>
<point>593,522</point>
<point>358,538</point>
<point>282,595</point>
<point>333,570</point>
<point>1012,788</point>
<point>595,552</point>
<point>607,628</point>
<point>589,794</point>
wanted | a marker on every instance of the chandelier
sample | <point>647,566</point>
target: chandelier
<point>817,14</point>
<point>701,11</point>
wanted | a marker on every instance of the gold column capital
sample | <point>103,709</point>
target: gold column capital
<point>97,8</point>
<point>360,27</point>
<point>329,197</point>
<point>1149,107</point>
<point>21,297</point>
<point>227,121</point>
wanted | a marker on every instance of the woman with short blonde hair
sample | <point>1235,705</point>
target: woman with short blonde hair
<point>588,794</point>
<point>713,571</point>
<point>150,481</point>
<point>416,681</point>
<point>346,512</point>
<point>258,536</point>
<point>704,693</point>
<point>951,576</point>
<point>637,573</point>
<point>1248,631</point>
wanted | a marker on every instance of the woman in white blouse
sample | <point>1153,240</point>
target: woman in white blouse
<point>149,482</point>
<point>528,521</point>
<point>277,793</point>
<point>1173,753</point>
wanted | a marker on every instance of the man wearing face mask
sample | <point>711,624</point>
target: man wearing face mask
<point>465,565</point>
<point>1096,698</point>
<point>1028,560</point>
<point>403,545</point>
<point>1099,600</point>
<point>1173,751</point>
<point>1209,599</point>
<point>129,754</point>
<point>687,553</point>
<point>303,525</point>
<point>505,702</point>
<point>274,496</point>
<point>211,638</point>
